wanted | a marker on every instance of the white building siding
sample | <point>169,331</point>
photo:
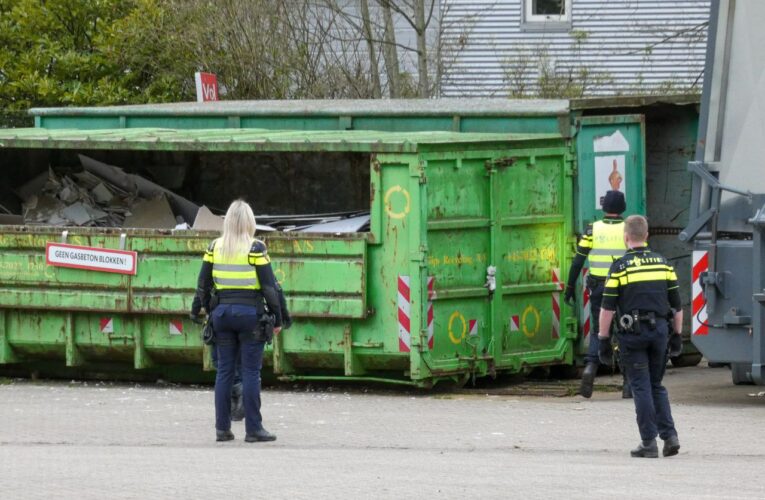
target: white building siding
<point>612,47</point>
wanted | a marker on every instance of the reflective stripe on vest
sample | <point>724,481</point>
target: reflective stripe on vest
<point>607,246</point>
<point>233,274</point>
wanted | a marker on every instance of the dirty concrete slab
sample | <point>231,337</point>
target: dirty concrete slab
<point>155,213</point>
<point>90,440</point>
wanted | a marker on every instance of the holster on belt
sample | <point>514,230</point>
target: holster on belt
<point>214,301</point>
<point>649,317</point>
<point>265,329</point>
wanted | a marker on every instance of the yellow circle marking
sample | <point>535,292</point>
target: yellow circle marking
<point>388,208</point>
<point>280,275</point>
<point>454,316</point>
<point>537,320</point>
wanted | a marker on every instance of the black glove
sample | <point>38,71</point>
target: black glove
<point>675,346</point>
<point>605,350</point>
<point>568,296</point>
<point>196,318</point>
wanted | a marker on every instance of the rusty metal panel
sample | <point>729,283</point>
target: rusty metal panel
<point>506,216</point>
<point>325,276</point>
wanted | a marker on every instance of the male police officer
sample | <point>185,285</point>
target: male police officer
<point>643,287</point>
<point>602,243</point>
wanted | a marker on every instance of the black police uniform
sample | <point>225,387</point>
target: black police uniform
<point>245,286</point>
<point>602,243</point>
<point>644,286</point>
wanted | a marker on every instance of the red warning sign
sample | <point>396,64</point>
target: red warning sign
<point>515,323</point>
<point>176,327</point>
<point>473,330</point>
<point>106,325</point>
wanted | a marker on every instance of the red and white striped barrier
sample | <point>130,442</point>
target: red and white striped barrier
<point>698,304</point>
<point>556,303</point>
<point>404,306</point>
<point>585,316</point>
<point>431,297</point>
<point>404,313</point>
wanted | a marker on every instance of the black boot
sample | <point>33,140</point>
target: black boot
<point>626,389</point>
<point>646,449</point>
<point>671,446</point>
<point>237,403</point>
<point>224,435</point>
<point>588,378</point>
<point>260,435</point>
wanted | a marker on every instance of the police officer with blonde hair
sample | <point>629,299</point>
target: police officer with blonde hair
<point>602,244</point>
<point>642,291</point>
<point>245,312</point>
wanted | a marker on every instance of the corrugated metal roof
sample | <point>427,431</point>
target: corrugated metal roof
<point>626,46</point>
<point>249,139</point>
<point>349,107</point>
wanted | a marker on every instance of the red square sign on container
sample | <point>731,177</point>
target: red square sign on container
<point>207,86</point>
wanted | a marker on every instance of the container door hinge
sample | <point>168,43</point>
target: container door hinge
<point>420,255</point>
<point>571,170</point>
<point>419,172</point>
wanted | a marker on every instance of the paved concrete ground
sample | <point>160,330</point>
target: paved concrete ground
<point>96,440</point>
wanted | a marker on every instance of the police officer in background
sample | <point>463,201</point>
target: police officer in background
<point>602,244</point>
<point>642,290</point>
<point>238,267</point>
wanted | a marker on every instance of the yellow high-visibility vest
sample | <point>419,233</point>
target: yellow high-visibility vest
<point>607,246</point>
<point>236,273</point>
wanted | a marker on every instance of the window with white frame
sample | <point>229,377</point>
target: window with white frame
<point>547,11</point>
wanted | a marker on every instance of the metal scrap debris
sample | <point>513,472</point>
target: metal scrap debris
<point>347,225</point>
<point>336,222</point>
<point>104,195</point>
<point>139,186</point>
<point>84,199</point>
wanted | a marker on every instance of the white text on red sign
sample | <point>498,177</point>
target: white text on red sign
<point>207,86</point>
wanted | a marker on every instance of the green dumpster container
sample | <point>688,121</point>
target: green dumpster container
<point>586,122</point>
<point>458,276</point>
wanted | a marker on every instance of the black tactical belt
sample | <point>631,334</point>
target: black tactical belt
<point>646,316</point>
<point>630,323</point>
<point>244,301</point>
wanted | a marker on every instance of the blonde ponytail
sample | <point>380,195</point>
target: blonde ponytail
<point>238,230</point>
